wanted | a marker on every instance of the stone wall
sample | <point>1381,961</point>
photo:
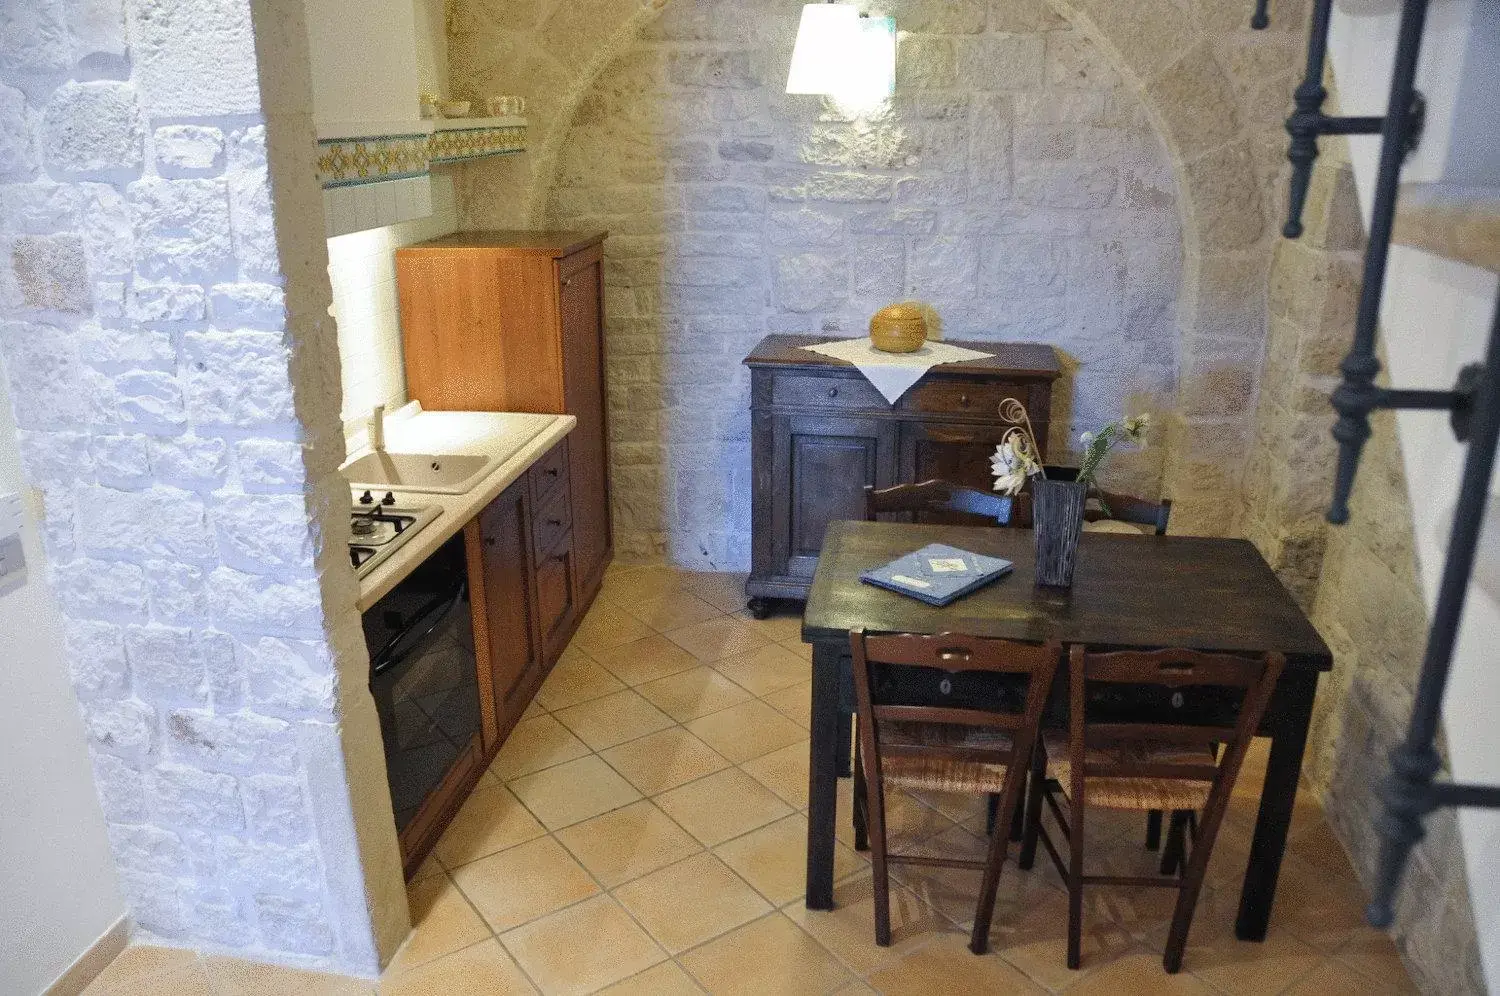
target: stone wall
<point>164,329</point>
<point>1358,582</point>
<point>1045,172</point>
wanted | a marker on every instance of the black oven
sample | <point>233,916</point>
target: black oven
<point>423,678</point>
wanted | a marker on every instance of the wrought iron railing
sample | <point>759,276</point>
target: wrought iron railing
<point>1409,793</point>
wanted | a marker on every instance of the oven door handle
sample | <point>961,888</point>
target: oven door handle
<point>431,616</point>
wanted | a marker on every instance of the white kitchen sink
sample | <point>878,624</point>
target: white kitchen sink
<point>437,473</point>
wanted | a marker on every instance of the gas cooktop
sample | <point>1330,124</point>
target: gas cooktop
<point>379,526</point>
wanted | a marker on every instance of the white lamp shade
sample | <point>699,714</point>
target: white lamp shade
<point>826,38</point>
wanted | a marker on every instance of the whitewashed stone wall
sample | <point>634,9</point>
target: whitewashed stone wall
<point>1014,184</point>
<point>175,382</point>
<point>1025,122</point>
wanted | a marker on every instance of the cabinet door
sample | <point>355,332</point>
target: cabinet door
<point>555,604</point>
<point>821,466</point>
<point>950,451</point>
<point>581,296</point>
<point>508,595</point>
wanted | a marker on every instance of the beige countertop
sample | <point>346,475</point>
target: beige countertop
<point>477,433</point>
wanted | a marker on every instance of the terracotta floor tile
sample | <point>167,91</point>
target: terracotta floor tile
<point>572,792</point>
<point>533,709</point>
<point>574,679</point>
<point>1375,956</point>
<point>666,979</point>
<point>524,883</point>
<point>1138,974</point>
<point>690,902</point>
<point>773,859</point>
<point>664,760</point>
<point>141,961</point>
<point>1034,936</point>
<point>1251,968</point>
<point>947,966</point>
<point>764,669</point>
<point>747,730</point>
<point>583,948</point>
<point>722,806</point>
<point>490,820</point>
<point>690,694</point>
<point>535,744</point>
<point>784,772</point>
<point>442,922</point>
<point>715,639</point>
<point>770,955</point>
<point>482,968</point>
<point>782,627</point>
<point>794,702</point>
<point>723,591</point>
<point>193,980</point>
<point>907,821</point>
<point>613,719</point>
<point>628,843</point>
<point>233,977</point>
<point>607,625</point>
<point>669,611</point>
<point>639,582</point>
<point>429,868</point>
<point>848,930</point>
<point>640,661</point>
<point>796,646</point>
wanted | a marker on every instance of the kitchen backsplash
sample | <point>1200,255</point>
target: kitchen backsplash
<point>362,269</point>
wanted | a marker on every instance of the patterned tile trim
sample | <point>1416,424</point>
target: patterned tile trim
<point>347,162</point>
<point>473,143</point>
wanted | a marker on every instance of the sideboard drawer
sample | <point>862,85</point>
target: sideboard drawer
<point>827,392</point>
<point>957,397</point>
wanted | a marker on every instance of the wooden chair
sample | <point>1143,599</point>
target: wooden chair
<point>937,496</point>
<point>1173,767</point>
<point>944,748</point>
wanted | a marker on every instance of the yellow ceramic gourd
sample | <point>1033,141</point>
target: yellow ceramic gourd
<point>898,328</point>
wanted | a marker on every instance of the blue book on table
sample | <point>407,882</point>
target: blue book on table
<point>937,574</point>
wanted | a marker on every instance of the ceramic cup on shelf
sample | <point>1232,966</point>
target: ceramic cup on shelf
<point>454,108</point>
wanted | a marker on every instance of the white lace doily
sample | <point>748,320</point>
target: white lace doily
<point>893,373</point>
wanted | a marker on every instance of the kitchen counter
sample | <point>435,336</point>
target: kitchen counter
<point>456,433</point>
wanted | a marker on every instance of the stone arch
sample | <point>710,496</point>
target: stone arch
<point>1166,51</point>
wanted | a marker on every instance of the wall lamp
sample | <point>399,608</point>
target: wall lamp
<point>843,54</point>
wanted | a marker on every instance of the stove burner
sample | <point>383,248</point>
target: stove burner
<point>362,525</point>
<point>377,527</point>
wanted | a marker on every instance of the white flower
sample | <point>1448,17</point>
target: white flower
<point>1134,427</point>
<point>1011,465</point>
<point>1086,438</point>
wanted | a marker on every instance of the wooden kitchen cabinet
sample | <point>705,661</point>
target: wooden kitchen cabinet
<point>513,321</point>
<point>521,581</point>
<point>820,432</point>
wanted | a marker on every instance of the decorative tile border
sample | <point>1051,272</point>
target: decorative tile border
<point>349,162</point>
<point>475,143</point>
<point>345,162</point>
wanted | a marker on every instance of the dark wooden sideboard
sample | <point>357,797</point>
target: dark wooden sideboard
<point>820,432</point>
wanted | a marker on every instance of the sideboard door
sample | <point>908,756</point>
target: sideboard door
<point>820,467</point>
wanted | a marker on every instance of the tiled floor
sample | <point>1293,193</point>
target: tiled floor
<point>642,832</point>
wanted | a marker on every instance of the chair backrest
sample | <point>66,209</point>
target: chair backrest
<point>1034,663</point>
<point>937,496</point>
<point>1102,505</point>
<point>1173,669</point>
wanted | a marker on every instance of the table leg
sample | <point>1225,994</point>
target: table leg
<point>1277,799</point>
<point>846,737</point>
<point>822,778</point>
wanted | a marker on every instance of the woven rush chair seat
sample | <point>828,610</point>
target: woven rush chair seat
<point>1164,794</point>
<point>953,773</point>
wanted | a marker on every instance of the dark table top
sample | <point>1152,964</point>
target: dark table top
<point>1129,591</point>
<point>1021,360</point>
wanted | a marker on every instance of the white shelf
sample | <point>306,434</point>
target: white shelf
<point>464,124</point>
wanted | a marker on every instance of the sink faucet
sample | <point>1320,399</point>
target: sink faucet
<point>375,429</point>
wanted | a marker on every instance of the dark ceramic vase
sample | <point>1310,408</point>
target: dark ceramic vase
<point>1057,518</point>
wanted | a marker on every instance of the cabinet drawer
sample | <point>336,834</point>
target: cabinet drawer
<point>826,392</point>
<point>549,473</point>
<point>956,397</point>
<point>553,519</point>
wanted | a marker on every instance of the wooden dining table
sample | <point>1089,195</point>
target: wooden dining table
<point>1130,592</point>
